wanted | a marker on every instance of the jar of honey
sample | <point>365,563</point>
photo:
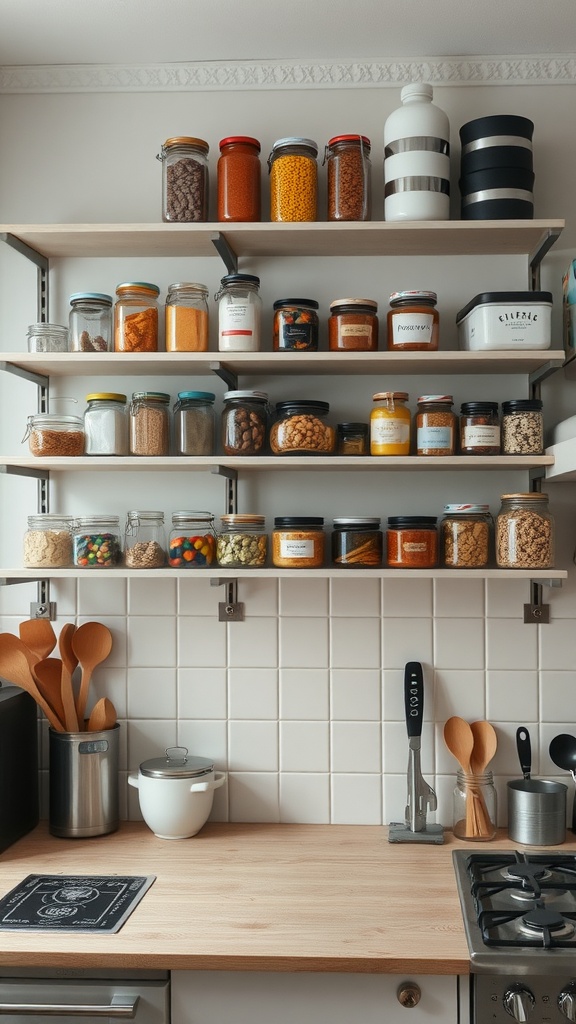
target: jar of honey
<point>390,424</point>
<point>353,325</point>
<point>413,321</point>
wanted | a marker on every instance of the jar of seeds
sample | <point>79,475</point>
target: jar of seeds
<point>194,423</point>
<point>145,540</point>
<point>522,427</point>
<point>149,423</point>
<point>524,532</point>
<point>242,542</point>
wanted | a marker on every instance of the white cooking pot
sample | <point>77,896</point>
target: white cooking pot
<point>176,792</point>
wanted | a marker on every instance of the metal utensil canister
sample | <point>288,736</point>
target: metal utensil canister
<point>537,812</point>
<point>83,769</point>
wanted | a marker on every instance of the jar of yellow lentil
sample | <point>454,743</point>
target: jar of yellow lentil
<point>293,180</point>
<point>186,315</point>
<point>390,424</point>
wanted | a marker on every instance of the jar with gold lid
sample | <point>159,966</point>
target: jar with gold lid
<point>390,422</point>
<point>136,317</point>
<point>184,179</point>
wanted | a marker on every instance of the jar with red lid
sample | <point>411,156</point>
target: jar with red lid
<point>239,175</point>
<point>353,325</point>
<point>184,179</point>
<point>413,321</point>
<point>349,177</point>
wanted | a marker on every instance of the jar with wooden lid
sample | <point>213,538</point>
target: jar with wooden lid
<point>48,541</point>
<point>390,422</point>
<point>242,541</point>
<point>436,425</point>
<point>295,325</point>
<point>413,321</point>
<point>466,536</point>
<point>149,423</point>
<point>298,542</point>
<point>349,173</point>
<point>186,315</point>
<point>136,317</point>
<point>184,179</point>
<point>357,542</point>
<point>145,540</point>
<point>238,176</point>
<point>293,180</point>
<point>525,532</point>
<point>353,325</point>
<point>479,428</point>
<point>412,542</point>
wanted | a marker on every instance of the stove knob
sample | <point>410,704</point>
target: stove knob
<point>519,1002</point>
<point>567,1002</point>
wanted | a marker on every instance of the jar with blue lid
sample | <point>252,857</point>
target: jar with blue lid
<point>90,322</point>
<point>194,423</point>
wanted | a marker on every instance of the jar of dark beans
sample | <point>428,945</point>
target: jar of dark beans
<point>357,542</point>
<point>522,427</point>
<point>244,422</point>
<point>184,179</point>
<point>349,173</point>
<point>479,428</point>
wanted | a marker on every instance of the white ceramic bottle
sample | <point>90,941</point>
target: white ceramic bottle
<point>417,158</point>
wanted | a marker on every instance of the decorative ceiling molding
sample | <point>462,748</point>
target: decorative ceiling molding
<point>557,69</point>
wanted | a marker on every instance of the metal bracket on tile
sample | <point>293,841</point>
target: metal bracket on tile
<point>231,610</point>
<point>536,613</point>
<point>43,610</point>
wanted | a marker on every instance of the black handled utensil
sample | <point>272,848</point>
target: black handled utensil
<point>421,796</point>
<point>524,748</point>
<point>562,751</point>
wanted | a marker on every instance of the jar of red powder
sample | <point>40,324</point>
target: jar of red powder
<point>412,542</point>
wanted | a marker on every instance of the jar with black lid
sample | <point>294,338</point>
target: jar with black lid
<point>524,532</point>
<point>352,439</point>
<point>184,179</point>
<point>298,542</point>
<point>522,427</point>
<point>239,313</point>
<point>353,325</point>
<point>357,542</point>
<point>295,325</point>
<point>244,422</point>
<point>412,542</point>
<point>301,428</point>
<point>479,428</point>
<point>349,177</point>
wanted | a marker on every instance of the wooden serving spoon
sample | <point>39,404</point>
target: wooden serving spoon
<point>91,643</point>
<point>67,666</point>
<point>47,674</point>
<point>459,739</point>
<point>103,716</point>
<point>485,744</point>
<point>15,668</point>
<point>39,636</point>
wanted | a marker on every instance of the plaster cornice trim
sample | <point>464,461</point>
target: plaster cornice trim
<point>213,76</point>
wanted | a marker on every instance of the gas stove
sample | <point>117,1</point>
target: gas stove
<point>519,914</point>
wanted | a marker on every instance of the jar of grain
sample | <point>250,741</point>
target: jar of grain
<point>244,422</point>
<point>298,542</point>
<point>412,542</point>
<point>295,325</point>
<point>390,422</point>
<point>300,428</point>
<point>184,179</point>
<point>352,439</point>
<point>239,175</point>
<point>186,316</point>
<point>194,423</point>
<point>466,535</point>
<point>96,542</point>
<point>239,313</point>
<point>106,424</point>
<point>136,317</point>
<point>413,321</point>
<point>353,325</point>
<point>47,338</point>
<point>144,540</point>
<point>242,541</point>
<point>479,428</point>
<point>357,542</point>
<point>436,425</point>
<point>90,322</point>
<point>192,543</point>
<point>49,434</point>
<point>293,180</point>
<point>48,541</point>
<point>524,532</point>
<point>522,427</point>
<point>149,423</point>
<point>349,177</point>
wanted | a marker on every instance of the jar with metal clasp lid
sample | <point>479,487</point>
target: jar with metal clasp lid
<point>436,425</point>
<point>106,424</point>
<point>525,532</point>
<point>194,423</point>
<point>136,317</point>
<point>145,540</point>
<point>186,317</point>
<point>239,177</point>
<point>239,313</point>
<point>48,541</point>
<point>349,177</point>
<point>96,542</point>
<point>244,422</point>
<point>390,422</point>
<point>466,536</point>
<point>90,322</point>
<point>242,541</point>
<point>357,542</point>
<point>50,434</point>
<point>149,423</point>
<point>184,179</point>
<point>192,542</point>
<point>413,321</point>
<point>293,180</point>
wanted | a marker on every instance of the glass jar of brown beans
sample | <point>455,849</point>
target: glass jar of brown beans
<point>349,177</point>
<point>466,533</point>
<point>436,425</point>
<point>293,180</point>
<point>353,325</point>
<point>238,175</point>
<point>479,428</point>
<point>522,427</point>
<point>244,422</point>
<point>184,179</point>
<point>524,532</point>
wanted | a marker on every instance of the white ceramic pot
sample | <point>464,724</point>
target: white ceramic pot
<point>176,792</point>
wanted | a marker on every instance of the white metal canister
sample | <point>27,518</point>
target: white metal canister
<point>176,792</point>
<point>417,158</point>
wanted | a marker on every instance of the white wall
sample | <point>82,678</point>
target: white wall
<point>302,703</point>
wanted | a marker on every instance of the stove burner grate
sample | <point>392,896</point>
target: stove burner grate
<point>538,928</point>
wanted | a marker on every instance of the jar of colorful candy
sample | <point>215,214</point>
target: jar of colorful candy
<point>96,542</point>
<point>192,543</point>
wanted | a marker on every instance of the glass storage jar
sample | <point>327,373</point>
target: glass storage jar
<point>413,321</point>
<point>349,177</point>
<point>192,543</point>
<point>525,532</point>
<point>300,428</point>
<point>49,434</point>
<point>244,422</point>
<point>48,541</point>
<point>466,535</point>
<point>96,542</point>
<point>90,322</point>
<point>298,542</point>
<point>293,180</point>
<point>352,439</point>
<point>353,325</point>
<point>474,807</point>
<point>522,427</point>
<point>47,338</point>
<point>412,542</point>
<point>144,540</point>
<point>184,179</point>
<point>479,428</point>
<point>239,313</point>
<point>106,424</point>
<point>186,317</point>
<point>242,541</point>
<point>149,423</point>
<point>239,174</point>
<point>295,325</point>
<point>194,423</point>
<point>357,542</point>
<point>390,422</point>
<point>436,425</point>
<point>136,317</point>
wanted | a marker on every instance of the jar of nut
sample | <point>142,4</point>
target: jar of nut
<point>149,423</point>
<point>524,532</point>
<point>293,180</point>
<point>522,427</point>
<point>435,425</point>
<point>242,542</point>
<point>466,533</point>
<point>244,422</point>
<point>145,540</point>
<point>184,179</point>
<point>300,428</point>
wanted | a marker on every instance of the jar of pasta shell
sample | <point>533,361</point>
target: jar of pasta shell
<point>298,542</point>
<point>136,317</point>
<point>353,325</point>
<point>466,536</point>
<point>412,542</point>
<point>293,180</point>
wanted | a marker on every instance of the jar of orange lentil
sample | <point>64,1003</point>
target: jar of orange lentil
<point>353,325</point>
<point>412,542</point>
<point>238,174</point>
<point>187,318</point>
<point>293,180</point>
<point>136,317</point>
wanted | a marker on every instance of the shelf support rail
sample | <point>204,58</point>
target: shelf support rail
<point>535,258</point>
<point>225,251</point>
<point>230,610</point>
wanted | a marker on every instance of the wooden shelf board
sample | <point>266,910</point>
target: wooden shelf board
<point>287,463</point>
<point>122,572</point>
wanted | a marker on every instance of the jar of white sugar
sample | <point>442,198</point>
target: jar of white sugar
<point>106,425</point>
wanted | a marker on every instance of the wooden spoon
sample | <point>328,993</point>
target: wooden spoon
<point>39,636</point>
<point>91,643</point>
<point>47,674</point>
<point>102,716</point>
<point>15,668</point>
<point>459,739</point>
<point>67,666</point>
<point>485,744</point>
<point>9,642</point>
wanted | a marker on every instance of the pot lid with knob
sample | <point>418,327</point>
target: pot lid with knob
<point>177,764</point>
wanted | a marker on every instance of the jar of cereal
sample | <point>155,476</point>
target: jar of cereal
<point>466,533</point>
<point>48,541</point>
<point>524,532</point>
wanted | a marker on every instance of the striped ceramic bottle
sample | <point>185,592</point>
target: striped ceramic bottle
<point>417,158</point>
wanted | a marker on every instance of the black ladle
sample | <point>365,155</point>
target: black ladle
<point>563,752</point>
<point>524,748</point>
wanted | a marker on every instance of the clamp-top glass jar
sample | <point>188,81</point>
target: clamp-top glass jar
<point>194,423</point>
<point>90,322</point>
<point>96,542</point>
<point>149,423</point>
<point>106,424</point>
<point>187,317</point>
<point>144,540</point>
<point>239,174</point>
<point>349,177</point>
<point>413,321</point>
<point>136,317</point>
<point>48,541</point>
<point>239,313</point>
<point>192,543</point>
<point>293,180</point>
<point>184,179</point>
<point>525,532</point>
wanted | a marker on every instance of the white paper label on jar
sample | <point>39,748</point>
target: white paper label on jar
<point>481,437</point>
<point>356,331</point>
<point>237,326</point>
<point>434,437</point>
<point>296,548</point>
<point>412,328</point>
<point>388,431</point>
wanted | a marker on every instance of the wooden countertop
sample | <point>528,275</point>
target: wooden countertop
<point>257,897</point>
